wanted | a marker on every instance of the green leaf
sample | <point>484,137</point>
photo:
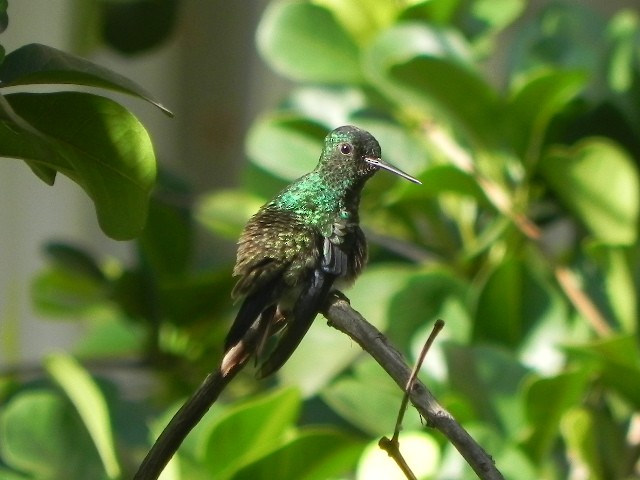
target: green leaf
<point>617,359</point>
<point>186,300</point>
<point>429,292</point>
<point>41,64</point>
<point>167,239</point>
<point>225,212</point>
<point>363,19</point>
<point>74,259</point>
<point>598,182</point>
<point>488,18</point>
<point>512,302</point>
<point>490,379</point>
<point>426,69</point>
<point>327,105</point>
<point>256,426</point>
<point>365,397</point>
<point>304,42</point>
<point>400,146</point>
<point>108,335</point>
<point>90,405</point>
<point>133,27</point>
<point>578,428</point>
<point>536,101</point>
<point>617,275</point>
<point>312,454</point>
<point>285,146</point>
<point>547,400</point>
<point>439,179</point>
<point>41,435</point>
<point>623,34</point>
<point>63,293</point>
<point>95,142</point>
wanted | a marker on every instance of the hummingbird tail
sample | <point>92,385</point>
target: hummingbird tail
<point>304,312</point>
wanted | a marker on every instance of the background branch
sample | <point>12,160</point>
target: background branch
<point>344,318</point>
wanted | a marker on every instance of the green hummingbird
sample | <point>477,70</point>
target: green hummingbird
<point>292,253</point>
<point>304,243</point>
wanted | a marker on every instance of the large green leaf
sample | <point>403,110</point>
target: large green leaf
<point>311,454</point>
<point>41,64</point>
<point>284,145</point>
<point>90,404</point>
<point>363,19</point>
<point>579,429</point>
<point>304,42</point>
<point>513,301</point>
<point>547,399</point>
<point>67,294</point>
<point>248,431</point>
<point>365,397</point>
<point>598,182</point>
<point>537,99</point>
<point>617,266</point>
<point>40,434</point>
<point>95,142</point>
<point>225,212</point>
<point>617,359</point>
<point>429,68</point>
<point>490,379</point>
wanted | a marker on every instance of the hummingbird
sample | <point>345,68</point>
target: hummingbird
<point>298,248</point>
<point>303,244</point>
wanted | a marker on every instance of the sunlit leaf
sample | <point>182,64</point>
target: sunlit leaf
<point>364,398</point>
<point>513,300</point>
<point>547,399</point>
<point>579,431</point>
<point>304,41</point>
<point>311,453</point>
<point>41,64</point>
<point>286,146</point>
<point>617,360</point>
<point>225,212</point>
<point>90,404</point>
<point>599,183</point>
<point>257,427</point>
<point>490,379</point>
<point>536,101</point>
<point>41,434</point>
<point>428,68</point>
<point>95,142</point>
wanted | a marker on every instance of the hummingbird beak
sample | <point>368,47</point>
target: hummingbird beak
<point>379,163</point>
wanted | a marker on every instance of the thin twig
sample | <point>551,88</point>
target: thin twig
<point>581,301</point>
<point>437,328</point>
<point>392,446</point>
<point>342,317</point>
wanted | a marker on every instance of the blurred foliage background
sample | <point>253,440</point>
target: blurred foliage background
<point>523,128</point>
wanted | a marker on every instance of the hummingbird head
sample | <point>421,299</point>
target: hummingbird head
<point>353,152</point>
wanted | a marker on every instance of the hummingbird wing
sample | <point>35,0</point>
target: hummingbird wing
<point>252,307</point>
<point>333,263</point>
<point>305,310</point>
<point>269,264</point>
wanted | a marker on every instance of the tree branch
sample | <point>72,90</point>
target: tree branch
<point>345,319</point>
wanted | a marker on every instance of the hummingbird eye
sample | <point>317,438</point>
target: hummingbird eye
<point>345,148</point>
